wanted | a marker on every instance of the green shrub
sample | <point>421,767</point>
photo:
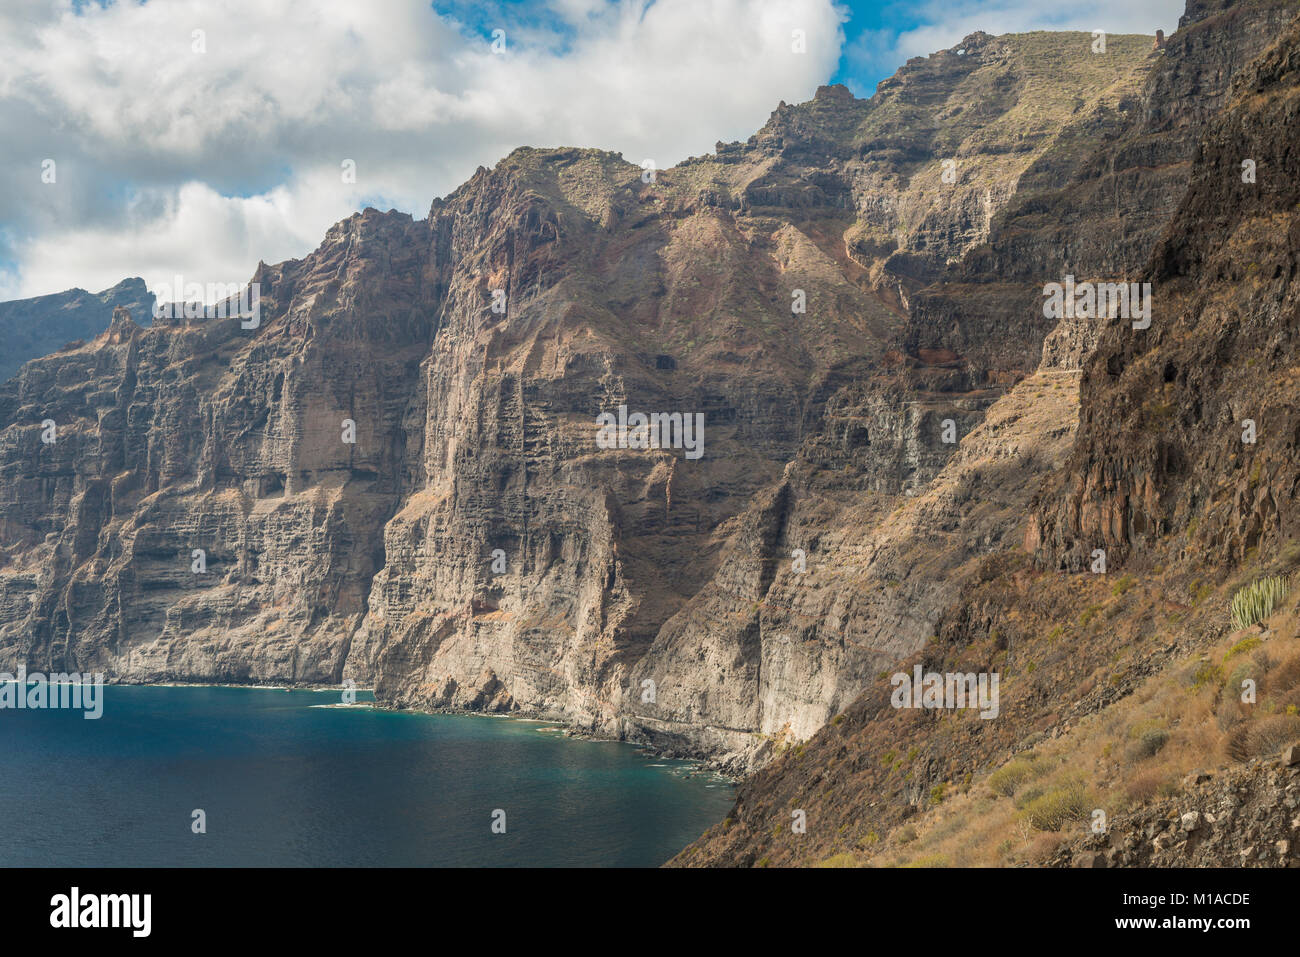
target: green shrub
<point>1256,601</point>
<point>843,859</point>
<point>1028,796</point>
<point>1206,673</point>
<point>1246,644</point>
<point>1058,807</point>
<point>1006,779</point>
<point>1148,744</point>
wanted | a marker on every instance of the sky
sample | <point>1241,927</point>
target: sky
<point>194,138</point>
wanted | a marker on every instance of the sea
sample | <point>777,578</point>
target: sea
<point>201,776</point>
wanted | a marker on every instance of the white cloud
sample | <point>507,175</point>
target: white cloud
<point>196,233</point>
<point>202,163</point>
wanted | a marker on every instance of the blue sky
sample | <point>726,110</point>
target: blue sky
<point>874,30</point>
<point>861,20</point>
<point>866,58</point>
<point>198,137</point>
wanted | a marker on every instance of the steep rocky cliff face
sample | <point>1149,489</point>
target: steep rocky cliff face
<point>1118,689</point>
<point>1092,203</point>
<point>1188,428</point>
<point>38,326</point>
<point>398,476</point>
<point>126,455</point>
<point>475,546</point>
<point>1096,202</point>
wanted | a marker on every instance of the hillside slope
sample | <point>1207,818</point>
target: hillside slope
<point>1125,692</point>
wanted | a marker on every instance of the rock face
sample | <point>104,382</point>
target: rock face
<point>1249,817</point>
<point>128,454</point>
<point>1189,428</point>
<point>398,475</point>
<point>36,327</point>
<point>673,589</point>
<point>878,570</point>
<point>1094,204</point>
<point>1162,474</point>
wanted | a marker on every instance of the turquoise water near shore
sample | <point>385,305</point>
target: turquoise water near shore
<point>285,779</point>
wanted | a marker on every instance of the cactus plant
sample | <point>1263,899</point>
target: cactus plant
<point>1256,601</point>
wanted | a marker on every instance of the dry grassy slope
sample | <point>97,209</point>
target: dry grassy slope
<point>1114,686</point>
<point>1176,741</point>
<point>1113,690</point>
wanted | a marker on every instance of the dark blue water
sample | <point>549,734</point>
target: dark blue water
<point>286,783</point>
